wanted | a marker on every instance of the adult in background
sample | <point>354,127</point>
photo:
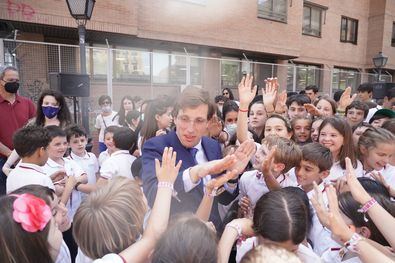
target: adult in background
<point>106,118</point>
<point>15,111</point>
<point>312,92</point>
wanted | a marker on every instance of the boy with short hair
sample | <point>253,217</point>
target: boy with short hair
<point>356,112</point>
<point>57,147</point>
<point>253,184</point>
<point>108,141</point>
<point>77,139</point>
<point>31,145</point>
<point>314,168</point>
<point>295,105</point>
<point>120,161</point>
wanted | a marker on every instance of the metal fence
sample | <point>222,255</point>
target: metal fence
<point>136,72</point>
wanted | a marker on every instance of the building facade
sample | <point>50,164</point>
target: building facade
<point>151,47</point>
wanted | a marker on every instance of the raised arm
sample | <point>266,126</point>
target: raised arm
<point>166,174</point>
<point>246,95</point>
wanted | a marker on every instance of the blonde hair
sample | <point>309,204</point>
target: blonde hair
<point>110,219</point>
<point>268,254</point>
<point>374,136</point>
<point>287,151</point>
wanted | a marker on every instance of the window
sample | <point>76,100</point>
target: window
<point>132,65</point>
<point>305,75</point>
<point>230,73</point>
<point>393,35</point>
<point>349,30</point>
<point>312,20</point>
<point>343,78</point>
<point>273,10</point>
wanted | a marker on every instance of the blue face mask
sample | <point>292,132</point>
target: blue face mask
<point>50,111</point>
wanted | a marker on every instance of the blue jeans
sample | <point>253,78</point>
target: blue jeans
<point>3,177</point>
<point>102,147</point>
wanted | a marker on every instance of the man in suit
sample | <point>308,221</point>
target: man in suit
<point>201,156</point>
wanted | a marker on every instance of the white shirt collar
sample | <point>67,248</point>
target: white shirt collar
<point>120,152</point>
<point>73,156</point>
<point>53,164</point>
<point>31,166</point>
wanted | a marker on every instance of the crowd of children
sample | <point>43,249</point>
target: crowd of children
<point>302,178</point>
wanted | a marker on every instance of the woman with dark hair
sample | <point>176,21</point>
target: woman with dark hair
<point>127,104</point>
<point>157,118</point>
<point>227,92</point>
<point>52,109</point>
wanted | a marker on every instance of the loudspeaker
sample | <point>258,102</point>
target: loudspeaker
<point>382,89</point>
<point>70,85</point>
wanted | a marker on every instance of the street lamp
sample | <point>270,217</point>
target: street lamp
<point>82,10</point>
<point>379,62</point>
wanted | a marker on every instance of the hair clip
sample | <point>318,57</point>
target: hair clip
<point>31,212</point>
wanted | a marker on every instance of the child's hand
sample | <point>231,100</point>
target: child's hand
<point>215,166</point>
<point>58,176</point>
<point>168,171</point>
<point>243,155</point>
<point>358,192</point>
<point>380,178</point>
<point>219,181</point>
<point>267,163</point>
<point>246,90</point>
<point>245,206</point>
<point>269,93</point>
<point>281,105</point>
<point>246,226</point>
<point>71,181</point>
<point>317,201</point>
<point>346,99</point>
<point>312,109</point>
<point>336,222</point>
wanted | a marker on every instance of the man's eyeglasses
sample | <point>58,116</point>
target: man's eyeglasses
<point>184,120</point>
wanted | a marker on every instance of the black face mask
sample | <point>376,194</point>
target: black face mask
<point>11,87</point>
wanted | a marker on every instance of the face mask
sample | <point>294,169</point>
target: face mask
<point>220,108</point>
<point>50,111</point>
<point>106,109</point>
<point>11,87</point>
<point>231,129</point>
<point>142,116</point>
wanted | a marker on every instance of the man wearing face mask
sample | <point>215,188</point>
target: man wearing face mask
<point>106,118</point>
<point>15,111</point>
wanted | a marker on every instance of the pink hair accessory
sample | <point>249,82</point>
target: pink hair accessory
<point>31,212</point>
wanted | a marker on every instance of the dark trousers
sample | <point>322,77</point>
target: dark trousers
<point>69,240</point>
<point>3,177</point>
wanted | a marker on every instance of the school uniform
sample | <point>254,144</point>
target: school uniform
<point>109,258</point>
<point>88,163</point>
<point>338,254</point>
<point>102,122</point>
<point>72,169</point>
<point>337,172</point>
<point>64,254</point>
<point>103,156</point>
<point>253,185</point>
<point>318,234</point>
<point>25,174</point>
<point>119,164</point>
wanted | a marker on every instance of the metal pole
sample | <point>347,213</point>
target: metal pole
<point>2,62</point>
<point>378,75</point>
<point>85,101</point>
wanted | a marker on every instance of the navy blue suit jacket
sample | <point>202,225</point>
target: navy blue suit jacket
<point>188,201</point>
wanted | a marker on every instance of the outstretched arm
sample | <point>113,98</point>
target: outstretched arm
<point>158,220</point>
<point>246,95</point>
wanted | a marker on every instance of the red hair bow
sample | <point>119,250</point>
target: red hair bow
<point>31,212</point>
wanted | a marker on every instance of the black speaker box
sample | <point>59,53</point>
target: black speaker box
<point>70,85</point>
<point>382,89</point>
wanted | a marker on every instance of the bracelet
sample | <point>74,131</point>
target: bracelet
<point>76,186</point>
<point>235,227</point>
<point>353,242</point>
<point>243,110</point>
<point>365,208</point>
<point>166,185</point>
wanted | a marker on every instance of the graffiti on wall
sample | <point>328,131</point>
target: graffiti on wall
<point>22,9</point>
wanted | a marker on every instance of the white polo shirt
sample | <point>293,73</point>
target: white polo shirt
<point>72,169</point>
<point>25,174</point>
<point>253,185</point>
<point>103,156</point>
<point>88,163</point>
<point>102,122</point>
<point>119,164</point>
<point>319,235</point>
<point>337,172</point>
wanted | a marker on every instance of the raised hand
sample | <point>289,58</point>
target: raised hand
<point>168,170</point>
<point>267,163</point>
<point>346,99</point>
<point>358,192</point>
<point>243,155</point>
<point>312,109</point>
<point>269,93</point>
<point>380,178</point>
<point>317,200</point>
<point>281,105</point>
<point>214,126</point>
<point>245,206</point>
<point>213,167</point>
<point>247,92</point>
<point>219,181</point>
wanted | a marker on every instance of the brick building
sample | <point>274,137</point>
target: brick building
<point>158,46</point>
